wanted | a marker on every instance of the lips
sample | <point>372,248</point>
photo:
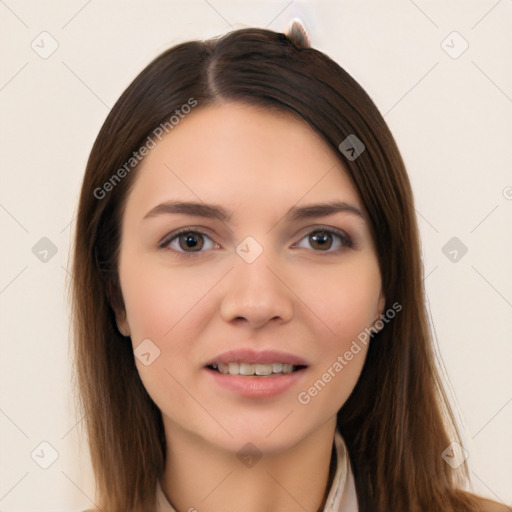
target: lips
<point>258,369</point>
<point>253,357</point>
<point>256,374</point>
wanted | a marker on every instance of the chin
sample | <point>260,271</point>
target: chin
<point>271,435</point>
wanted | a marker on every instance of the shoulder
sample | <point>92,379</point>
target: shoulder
<point>487,505</point>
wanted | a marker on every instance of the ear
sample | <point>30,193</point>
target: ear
<point>381,304</point>
<point>115,299</point>
<point>122,323</point>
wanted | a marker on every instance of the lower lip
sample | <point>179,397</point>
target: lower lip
<point>256,387</point>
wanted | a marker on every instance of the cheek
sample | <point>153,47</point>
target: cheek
<point>162,306</point>
<point>346,301</point>
<point>168,307</point>
<point>159,300</point>
<point>148,306</point>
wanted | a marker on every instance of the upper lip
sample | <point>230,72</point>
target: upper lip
<point>251,356</point>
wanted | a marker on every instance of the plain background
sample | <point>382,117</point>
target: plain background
<point>451,117</point>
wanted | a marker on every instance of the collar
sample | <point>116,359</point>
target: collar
<point>342,494</point>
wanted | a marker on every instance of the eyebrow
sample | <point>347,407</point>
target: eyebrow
<point>217,212</point>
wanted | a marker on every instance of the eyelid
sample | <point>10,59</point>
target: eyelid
<point>344,236</point>
<point>346,239</point>
<point>167,239</point>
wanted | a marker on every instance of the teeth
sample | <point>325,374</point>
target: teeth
<point>253,369</point>
<point>277,367</point>
<point>247,369</point>
<point>263,369</point>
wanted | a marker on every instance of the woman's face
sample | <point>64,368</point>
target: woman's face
<point>266,286</point>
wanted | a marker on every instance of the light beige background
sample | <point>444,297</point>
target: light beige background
<point>452,118</point>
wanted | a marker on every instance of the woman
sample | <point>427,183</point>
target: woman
<point>250,325</point>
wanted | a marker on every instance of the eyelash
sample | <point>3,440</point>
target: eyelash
<point>343,237</point>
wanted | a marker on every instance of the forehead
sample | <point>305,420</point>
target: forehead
<point>238,154</point>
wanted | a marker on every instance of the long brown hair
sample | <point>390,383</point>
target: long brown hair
<point>397,421</point>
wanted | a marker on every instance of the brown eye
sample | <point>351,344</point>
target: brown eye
<point>321,240</point>
<point>328,240</point>
<point>188,242</point>
<point>191,240</point>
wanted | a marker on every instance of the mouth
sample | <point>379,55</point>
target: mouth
<point>250,373</point>
<point>255,370</point>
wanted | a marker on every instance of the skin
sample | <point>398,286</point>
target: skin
<point>297,296</point>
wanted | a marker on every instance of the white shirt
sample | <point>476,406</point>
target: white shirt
<point>342,495</point>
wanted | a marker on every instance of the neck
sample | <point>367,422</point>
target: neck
<point>202,476</point>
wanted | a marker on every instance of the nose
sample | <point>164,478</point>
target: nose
<point>256,293</point>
